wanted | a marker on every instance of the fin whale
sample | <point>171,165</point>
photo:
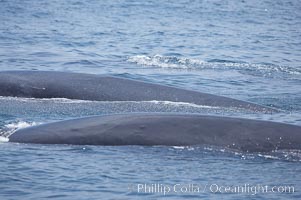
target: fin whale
<point>166,129</point>
<point>50,84</point>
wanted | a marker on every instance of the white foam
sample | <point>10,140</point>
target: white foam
<point>266,156</point>
<point>19,125</point>
<point>165,62</point>
<point>173,103</point>
<point>56,100</point>
<point>178,147</point>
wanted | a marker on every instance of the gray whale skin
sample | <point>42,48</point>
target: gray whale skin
<point>50,84</point>
<point>166,129</point>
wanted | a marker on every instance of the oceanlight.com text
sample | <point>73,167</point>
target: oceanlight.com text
<point>164,189</point>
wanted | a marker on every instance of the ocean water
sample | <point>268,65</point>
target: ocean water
<point>249,50</point>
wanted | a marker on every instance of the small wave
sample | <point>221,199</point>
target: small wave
<point>282,155</point>
<point>10,128</point>
<point>187,63</point>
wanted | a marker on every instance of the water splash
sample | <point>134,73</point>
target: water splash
<point>10,128</point>
<point>3,139</point>
<point>188,63</point>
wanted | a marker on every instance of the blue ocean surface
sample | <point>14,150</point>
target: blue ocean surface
<point>248,50</point>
